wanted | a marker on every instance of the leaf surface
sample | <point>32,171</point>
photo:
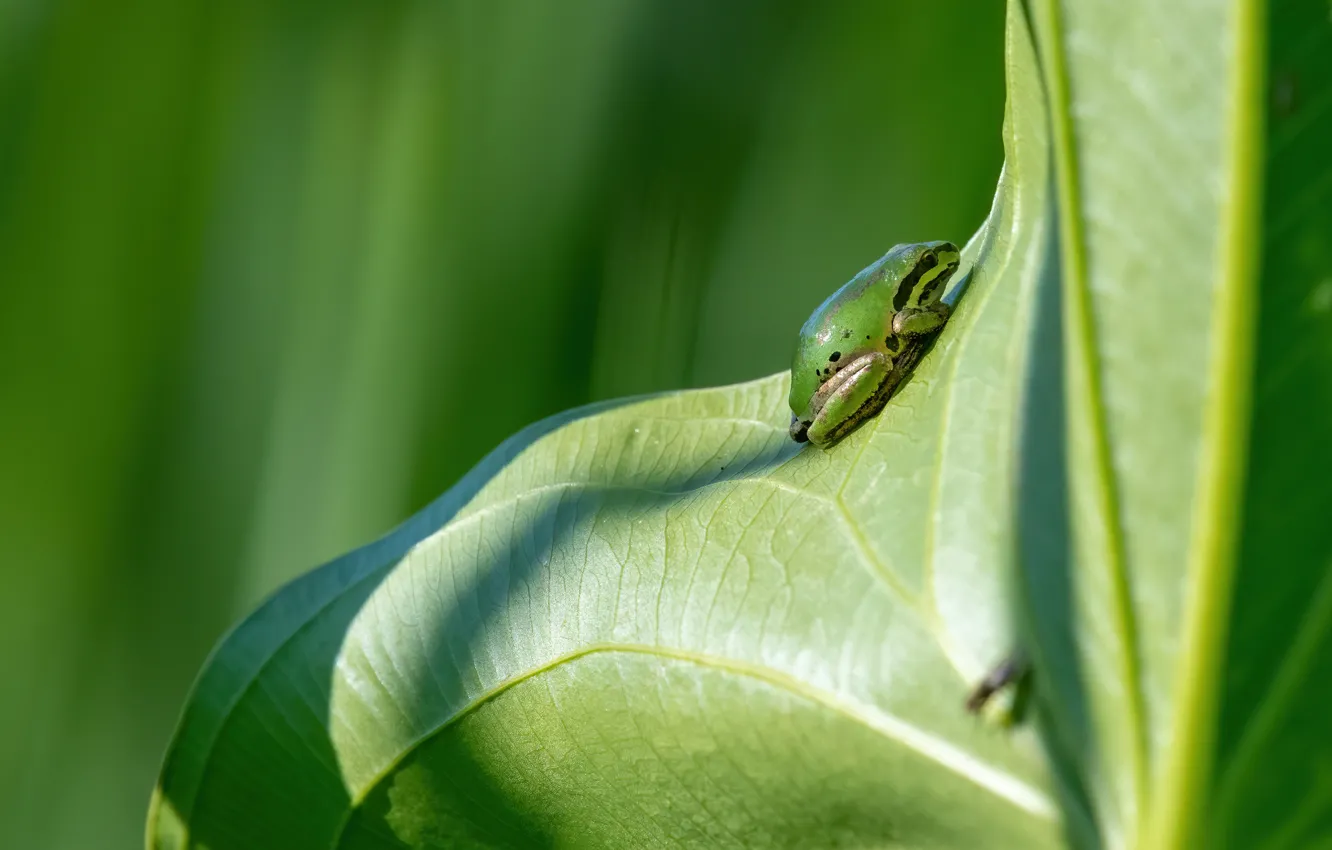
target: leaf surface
<point>1179,590</point>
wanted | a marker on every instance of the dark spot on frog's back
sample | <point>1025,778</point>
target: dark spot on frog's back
<point>892,343</point>
<point>835,356</point>
<point>846,334</point>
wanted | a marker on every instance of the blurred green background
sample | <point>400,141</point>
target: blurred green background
<point>274,274</point>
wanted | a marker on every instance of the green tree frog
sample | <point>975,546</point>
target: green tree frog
<point>859,344</point>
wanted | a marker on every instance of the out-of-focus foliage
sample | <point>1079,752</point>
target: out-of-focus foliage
<point>274,274</point>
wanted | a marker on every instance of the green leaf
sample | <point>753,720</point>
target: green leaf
<point>1179,587</point>
<point>661,622</point>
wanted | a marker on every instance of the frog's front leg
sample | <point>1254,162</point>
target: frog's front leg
<point>913,321</point>
<point>850,397</point>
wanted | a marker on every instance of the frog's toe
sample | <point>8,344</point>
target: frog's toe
<point>799,430</point>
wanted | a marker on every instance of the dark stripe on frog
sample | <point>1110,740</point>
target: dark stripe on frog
<point>908,284</point>
<point>929,288</point>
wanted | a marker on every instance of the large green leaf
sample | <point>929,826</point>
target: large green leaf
<point>1181,609</point>
<point>663,623</point>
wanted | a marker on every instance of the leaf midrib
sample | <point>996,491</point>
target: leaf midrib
<point>1085,392</point>
<point>1186,775</point>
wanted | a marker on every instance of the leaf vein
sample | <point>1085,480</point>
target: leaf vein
<point>987,777</point>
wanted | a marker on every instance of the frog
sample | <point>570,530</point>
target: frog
<point>858,345</point>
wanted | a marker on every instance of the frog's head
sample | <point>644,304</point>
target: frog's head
<point>925,269</point>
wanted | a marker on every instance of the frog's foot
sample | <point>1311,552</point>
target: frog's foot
<point>853,395</point>
<point>914,321</point>
<point>799,429</point>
